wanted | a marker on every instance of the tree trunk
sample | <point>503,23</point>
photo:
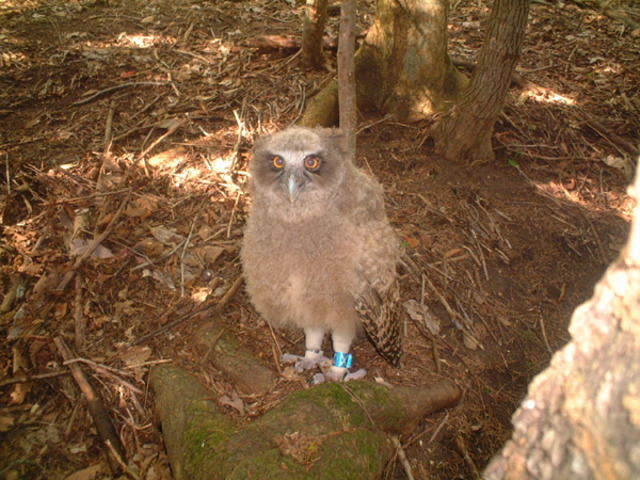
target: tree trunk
<point>346,78</point>
<point>464,133</point>
<point>314,20</point>
<point>403,67</point>
<point>581,419</point>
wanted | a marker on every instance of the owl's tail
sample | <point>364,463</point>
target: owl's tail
<point>378,316</point>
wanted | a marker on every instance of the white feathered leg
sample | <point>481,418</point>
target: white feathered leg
<point>339,371</point>
<point>313,354</point>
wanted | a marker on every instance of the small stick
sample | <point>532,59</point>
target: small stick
<point>118,87</point>
<point>236,148</point>
<point>217,307</point>
<point>172,129</point>
<point>110,372</point>
<point>108,130</point>
<point>442,424</point>
<point>544,336</point>
<point>277,351</point>
<point>98,412</point>
<point>436,355</point>
<point>92,246</point>
<point>417,437</point>
<point>233,212</point>
<point>230,293</point>
<point>462,448</point>
<point>118,458</point>
<point>32,378</point>
<point>7,174</point>
<point>79,317</point>
<point>11,294</point>
<point>445,304</point>
<point>184,251</point>
<point>403,458</point>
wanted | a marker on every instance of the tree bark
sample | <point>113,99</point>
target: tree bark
<point>346,78</point>
<point>464,133</point>
<point>581,418</point>
<point>403,67</point>
<point>314,20</point>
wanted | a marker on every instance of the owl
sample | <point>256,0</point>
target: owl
<point>318,251</point>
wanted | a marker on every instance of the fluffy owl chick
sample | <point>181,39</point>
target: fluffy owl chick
<point>318,251</point>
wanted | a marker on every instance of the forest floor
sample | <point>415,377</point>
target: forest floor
<point>136,119</point>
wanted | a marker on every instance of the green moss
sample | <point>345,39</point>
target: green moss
<point>356,454</point>
<point>336,405</point>
<point>206,439</point>
<point>269,465</point>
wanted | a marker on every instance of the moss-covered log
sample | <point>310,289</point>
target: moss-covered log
<point>330,431</point>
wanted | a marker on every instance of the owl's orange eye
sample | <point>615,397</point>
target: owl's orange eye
<point>312,163</point>
<point>278,162</point>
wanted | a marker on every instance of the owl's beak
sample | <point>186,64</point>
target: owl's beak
<point>295,185</point>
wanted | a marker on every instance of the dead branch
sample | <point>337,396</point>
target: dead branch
<point>174,126</point>
<point>119,87</point>
<point>402,456</point>
<point>98,412</point>
<point>32,378</point>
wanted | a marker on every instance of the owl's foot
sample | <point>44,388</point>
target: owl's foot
<point>311,359</point>
<point>339,371</point>
<point>337,374</point>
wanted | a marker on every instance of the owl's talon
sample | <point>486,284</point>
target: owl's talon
<point>289,358</point>
<point>311,359</point>
<point>317,379</point>
<point>357,375</point>
<point>341,374</point>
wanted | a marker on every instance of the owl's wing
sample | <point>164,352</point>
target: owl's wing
<point>378,316</point>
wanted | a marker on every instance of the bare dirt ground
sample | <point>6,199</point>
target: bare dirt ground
<point>135,119</point>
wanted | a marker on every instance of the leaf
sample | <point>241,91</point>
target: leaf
<point>89,473</point>
<point>135,355</point>
<point>413,242</point>
<point>422,314</point>
<point>469,341</point>
<point>234,401</point>
<point>513,163</point>
<point>166,236</point>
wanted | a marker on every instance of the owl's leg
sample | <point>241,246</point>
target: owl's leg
<point>313,354</point>
<point>339,371</point>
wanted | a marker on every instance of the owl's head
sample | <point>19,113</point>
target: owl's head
<point>298,168</point>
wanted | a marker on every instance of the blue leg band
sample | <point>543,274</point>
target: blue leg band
<point>342,360</point>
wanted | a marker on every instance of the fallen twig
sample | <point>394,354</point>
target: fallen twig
<point>118,87</point>
<point>108,129</point>
<point>32,378</point>
<point>401,455</point>
<point>78,317</point>
<point>172,128</point>
<point>184,252</point>
<point>98,412</point>
<point>216,308</point>
<point>92,246</point>
<point>464,451</point>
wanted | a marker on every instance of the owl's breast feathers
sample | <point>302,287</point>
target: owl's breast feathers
<point>326,259</point>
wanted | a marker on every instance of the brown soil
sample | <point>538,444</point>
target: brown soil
<point>498,254</point>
